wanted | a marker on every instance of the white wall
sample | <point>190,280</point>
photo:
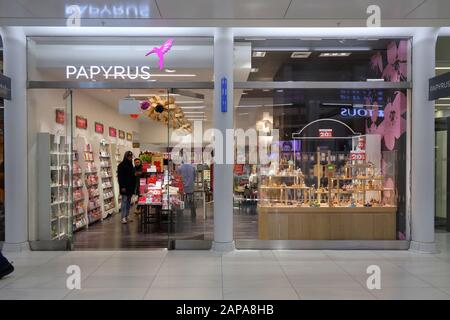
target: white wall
<point>42,104</point>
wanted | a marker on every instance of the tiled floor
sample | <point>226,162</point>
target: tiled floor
<point>161,274</point>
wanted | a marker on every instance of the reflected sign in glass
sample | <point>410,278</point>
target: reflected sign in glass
<point>126,9</point>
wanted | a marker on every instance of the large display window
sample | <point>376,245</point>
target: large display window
<point>2,157</point>
<point>336,172</point>
<point>337,168</point>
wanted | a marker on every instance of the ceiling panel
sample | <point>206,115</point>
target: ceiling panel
<point>432,9</point>
<point>93,9</point>
<point>349,9</point>
<point>223,9</point>
<point>10,9</point>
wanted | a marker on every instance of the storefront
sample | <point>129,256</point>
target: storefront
<point>335,115</point>
<point>5,92</point>
<point>442,125</point>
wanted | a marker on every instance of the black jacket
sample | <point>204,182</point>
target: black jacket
<point>126,177</point>
<point>138,170</point>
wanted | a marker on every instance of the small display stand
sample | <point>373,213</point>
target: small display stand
<point>157,197</point>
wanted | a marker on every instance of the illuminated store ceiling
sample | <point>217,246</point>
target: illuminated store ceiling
<point>236,12</point>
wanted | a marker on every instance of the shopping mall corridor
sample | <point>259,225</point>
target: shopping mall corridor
<point>162,274</point>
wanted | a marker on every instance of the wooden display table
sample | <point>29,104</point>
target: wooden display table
<point>324,223</point>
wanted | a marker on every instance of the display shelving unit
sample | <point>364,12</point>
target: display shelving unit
<point>54,189</point>
<point>79,218</point>
<point>106,176</point>
<point>94,210</point>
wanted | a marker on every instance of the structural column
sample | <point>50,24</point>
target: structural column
<point>16,128</point>
<point>422,142</point>
<point>223,173</point>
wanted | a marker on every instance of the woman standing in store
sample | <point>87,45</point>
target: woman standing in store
<point>127,184</point>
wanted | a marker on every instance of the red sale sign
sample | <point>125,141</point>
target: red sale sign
<point>357,155</point>
<point>325,133</point>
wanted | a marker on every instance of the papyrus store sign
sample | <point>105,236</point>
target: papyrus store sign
<point>439,87</point>
<point>5,87</point>
<point>325,133</point>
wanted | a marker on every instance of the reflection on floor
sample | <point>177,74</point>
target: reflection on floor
<point>242,274</point>
<point>112,234</point>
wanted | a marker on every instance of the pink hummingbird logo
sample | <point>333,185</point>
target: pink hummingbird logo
<point>161,51</point>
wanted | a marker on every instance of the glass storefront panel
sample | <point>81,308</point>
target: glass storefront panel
<point>337,165</point>
<point>442,125</point>
<point>51,195</point>
<point>2,156</point>
<point>327,59</point>
<point>108,122</point>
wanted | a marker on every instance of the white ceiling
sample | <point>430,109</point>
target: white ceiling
<point>196,11</point>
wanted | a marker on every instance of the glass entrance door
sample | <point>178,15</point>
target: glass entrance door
<point>189,198</point>
<point>176,178</point>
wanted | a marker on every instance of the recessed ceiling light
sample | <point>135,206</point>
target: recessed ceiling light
<point>266,90</point>
<point>334,54</point>
<point>259,54</point>
<point>170,70</point>
<point>300,55</point>
<point>172,75</point>
<point>254,69</point>
<point>187,101</point>
<point>191,107</point>
<point>152,94</point>
<point>442,68</point>
<point>280,90</point>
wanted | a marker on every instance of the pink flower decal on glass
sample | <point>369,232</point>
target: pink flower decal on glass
<point>376,62</point>
<point>394,123</point>
<point>396,68</point>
